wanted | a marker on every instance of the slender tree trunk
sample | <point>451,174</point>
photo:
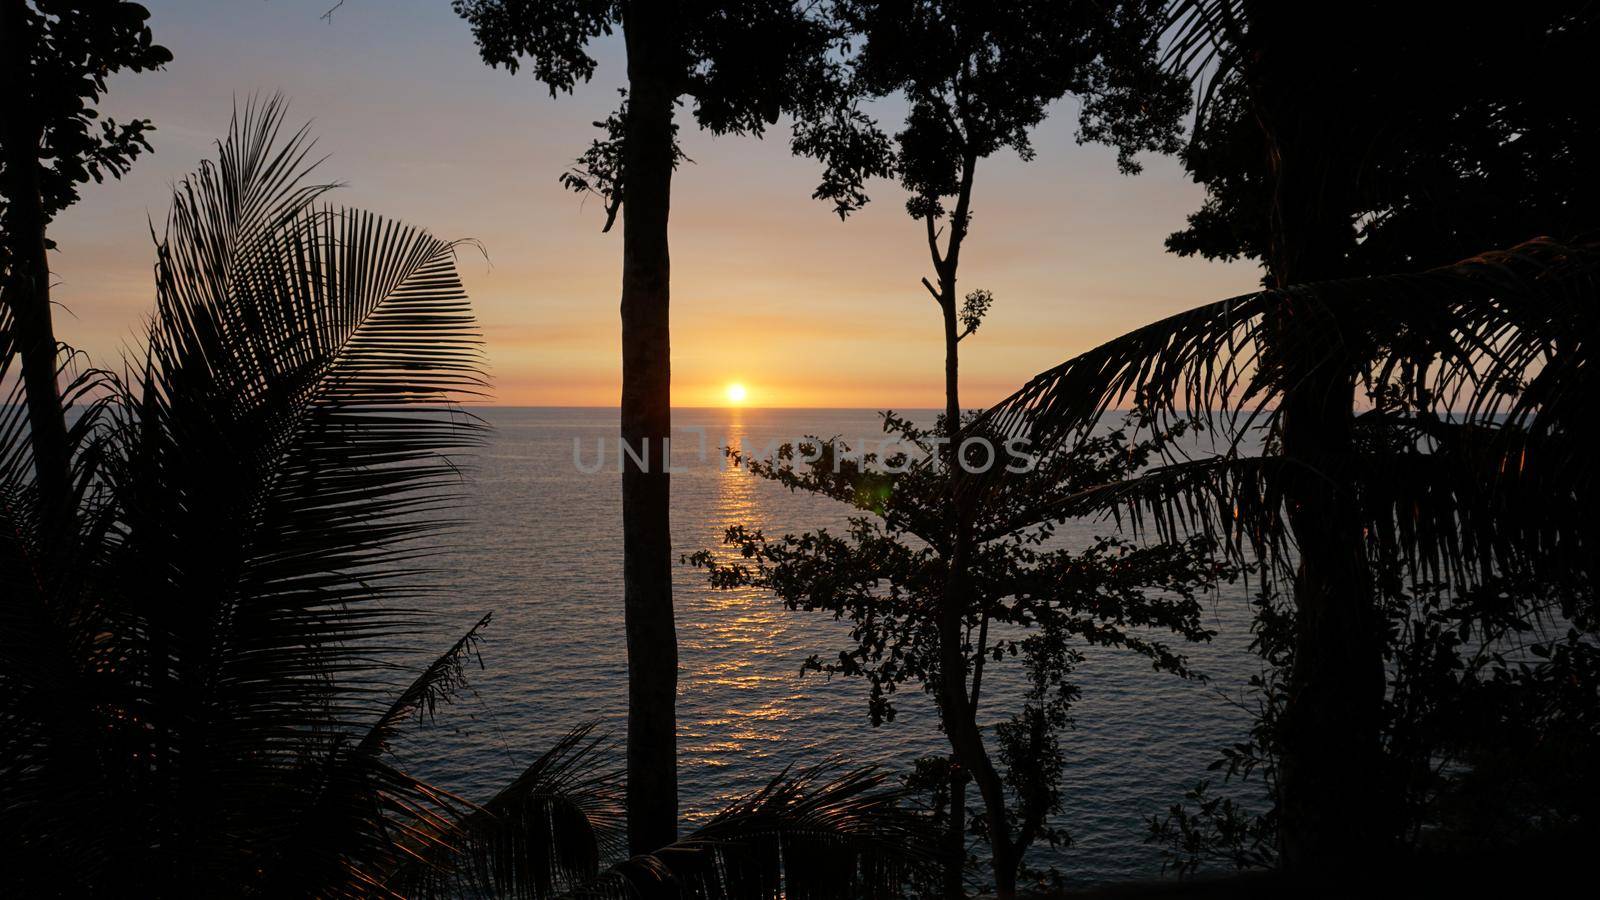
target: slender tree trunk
<point>650,32</point>
<point>959,710</point>
<point>26,287</point>
<point>959,714</point>
<point>1334,802</point>
<point>955,850</point>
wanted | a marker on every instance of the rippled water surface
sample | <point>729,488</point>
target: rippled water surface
<point>544,552</point>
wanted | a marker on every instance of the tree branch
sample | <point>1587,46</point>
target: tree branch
<point>933,246</point>
<point>983,653</point>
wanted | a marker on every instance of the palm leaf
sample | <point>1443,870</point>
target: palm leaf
<point>543,835</point>
<point>291,459</point>
<point>1474,344</point>
<point>369,818</point>
<point>820,832</point>
<point>272,475</point>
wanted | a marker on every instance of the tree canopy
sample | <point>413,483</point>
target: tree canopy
<point>741,65</point>
<point>1456,138</point>
<point>977,78</point>
<point>66,53</point>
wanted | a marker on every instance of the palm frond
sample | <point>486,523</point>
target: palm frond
<point>816,833</point>
<point>544,835</point>
<point>1479,326</point>
<point>262,491</point>
<point>1203,45</point>
<point>368,818</point>
<point>289,443</point>
<point>1498,342</point>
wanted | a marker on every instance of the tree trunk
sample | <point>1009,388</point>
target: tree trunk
<point>959,712</point>
<point>1334,804</point>
<point>26,289</point>
<point>955,850</point>
<point>959,715</point>
<point>652,799</point>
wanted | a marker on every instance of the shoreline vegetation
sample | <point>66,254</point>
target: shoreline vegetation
<point>218,555</point>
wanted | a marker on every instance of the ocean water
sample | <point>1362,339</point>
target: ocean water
<point>543,551</point>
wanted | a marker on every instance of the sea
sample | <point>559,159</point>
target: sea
<point>541,548</point>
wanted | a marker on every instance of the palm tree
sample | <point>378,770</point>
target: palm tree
<point>1472,464</point>
<point>201,687</point>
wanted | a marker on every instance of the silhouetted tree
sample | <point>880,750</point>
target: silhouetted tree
<point>54,60</point>
<point>1356,139</point>
<point>1034,605</point>
<point>978,78</point>
<point>1471,473</point>
<point>741,64</point>
<point>1464,138</point>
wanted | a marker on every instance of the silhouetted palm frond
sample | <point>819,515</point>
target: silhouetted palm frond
<point>1202,37</point>
<point>201,689</point>
<point>812,834</point>
<point>1474,453</point>
<point>546,834</point>
<point>277,469</point>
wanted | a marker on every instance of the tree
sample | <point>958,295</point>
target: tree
<point>977,79</point>
<point>1466,139</point>
<point>1469,479</point>
<point>741,64</point>
<point>1390,140</point>
<point>1044,603</point>
<point>203,697</point>
<point>54,60</point>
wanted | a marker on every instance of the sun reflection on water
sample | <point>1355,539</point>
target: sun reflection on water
<point>741,660</point>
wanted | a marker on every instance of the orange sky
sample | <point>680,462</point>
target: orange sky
<point>769,288</point>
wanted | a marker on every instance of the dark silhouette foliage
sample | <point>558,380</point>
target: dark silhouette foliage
<point>54,61</point>
<point>1454,138</point>
<point>202,686</point>
<point>1035,605</point>
<point>977,78</point>
<point>1471,480</point>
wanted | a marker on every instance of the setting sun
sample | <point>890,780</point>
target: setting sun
<point>736,393</point>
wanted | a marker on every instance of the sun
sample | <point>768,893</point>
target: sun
<point>736,393</point>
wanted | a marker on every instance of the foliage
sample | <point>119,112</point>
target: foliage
<point>54,61</point>
<point>1470,479</point>
<point>1491,711</point>
<point>1473,372</point>
<point>1456,138</point>
<point>74,48</point>
<point>1397,139</point>
<point>978,78</point>
<point>821,832</point>
<point>195,688</point>
<point>1206,828</point>
<point>598,171</point>
<point>740,65</point>
<point>1037,605</point>
<point>201,693</point>
<point>973,308</point>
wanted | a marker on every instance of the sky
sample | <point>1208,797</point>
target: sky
<point>769,289</point>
